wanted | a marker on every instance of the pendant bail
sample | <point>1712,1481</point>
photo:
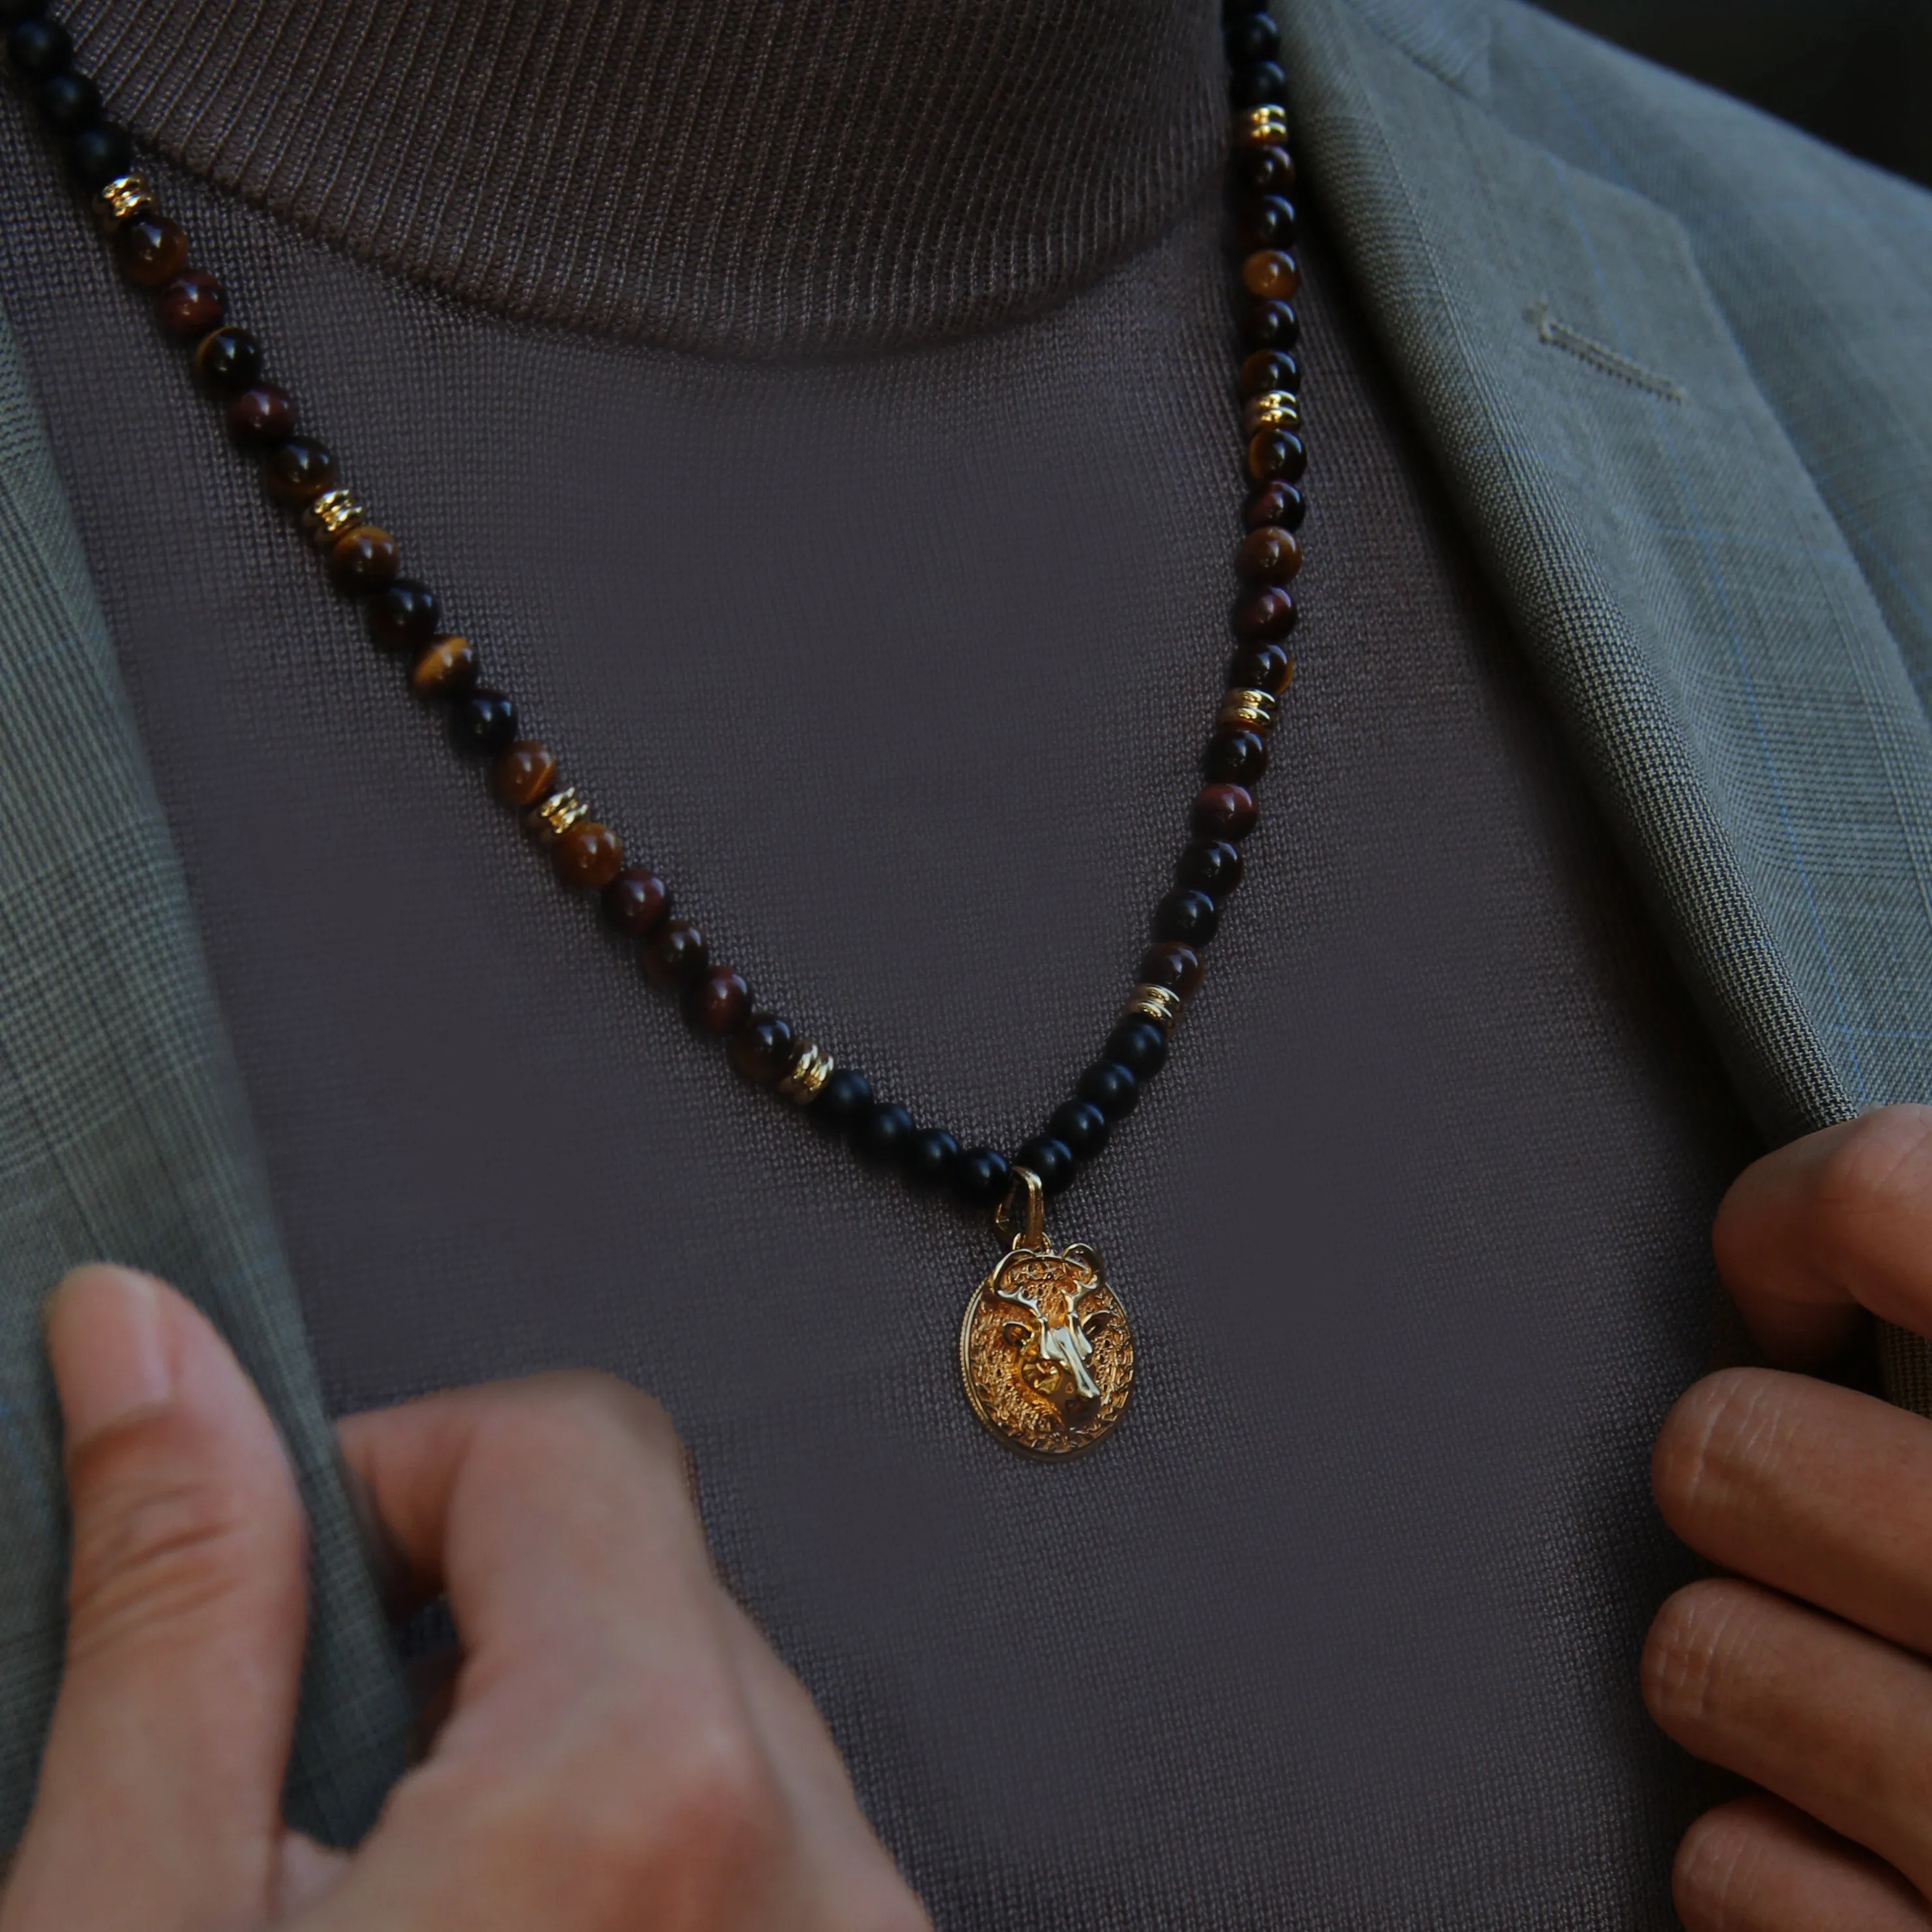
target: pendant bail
<point>1031,1231</point>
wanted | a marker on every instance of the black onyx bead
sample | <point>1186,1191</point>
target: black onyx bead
<point>1140,1046</point>
<point>69,101</point>
<point>1269,170</point>
<point>981,1177</point>
<point>843,1101</point>
<point>1253,37</point>
<point>1189,917</point>
<point>484,722</point>
<point>1237,756</point>
<point>1236,10</point>
<point>1275,502</point>
<point>1051,1159</point>
<point>229,359</point>
<point>1080,1127</point>
<point>1209,866</point>
<point>1111,1086</point>
<point>14,11</point>
<point>1258,84</point>
<point>1269,325</point>
<point>98,153</point>
<point>1266,223</point>
<point>930,1156</point>
<point>404,615</point>
<point>38,46</point>
<point>884,1135</point>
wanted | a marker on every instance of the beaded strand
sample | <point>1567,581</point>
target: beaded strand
<point>404,618</point>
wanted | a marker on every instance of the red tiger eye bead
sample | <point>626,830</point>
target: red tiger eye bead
<point>1269,555</point>
<point>717,1004</point>
<point>263,415</point>
<point>1261,667</point>
<point>299,472</point>
<point>635,900</point>
<point>524,773</point>
<point>364,559</point>
<point>764,1047</point>
<point>1270,274</point>
<point>1266,615</point>
<point>587,856</point>
<point>1237,756</point>
<point>675,954</point>
<point>192,304</point>
<point>1274,502</point>
<point>1276,452</point>
<point>1173,965</point>
<point>151,249</point>
<point>1223,812</point>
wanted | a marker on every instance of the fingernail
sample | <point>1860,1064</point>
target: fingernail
<point>105,1339</point>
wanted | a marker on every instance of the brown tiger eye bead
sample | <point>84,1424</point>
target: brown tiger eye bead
<point>763,1047</point>
<point>1223,812</point>
<point>1268,369</point>
<point>299,472</point>
<point>1269,555</point>
<point>675,954</point>
<point>523,774</point>
<point>1276,452</point>
<point>717,1004</point>
<point>1234,756</point>
<point>1266,615</point>
<point>445,669</point>
<point>263,416</point>
<point>192,303</point>
<point>1261,667</point>
<point>1269,274</point>
<point>151,249</point>
<point>1266,222</point>
<point>635,900</point>
<point>1275,502</point>
<point>1171,965</point>
<point>363,560</point>
<point>587,856</point>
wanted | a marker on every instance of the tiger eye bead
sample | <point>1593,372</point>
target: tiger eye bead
<point>1237,756</point>
<point>482,722</point>
<point>763,1047</point>
<point>1173,964</point>
<point>363,560</point>
<point>1276,452</point>
<point>261,416</point>
<point>675,954</point>
<point>717,1003</point>
<point>1223,812</point>
<point>1268,369</point>
<point>1270,274</point>
<point>229,358</point>
<point>1209,866</point>
<point>1269,325</point>
<point>587,856</point>
<point>1269,555</point>
<point>1275,502</point>
<point>1264,170</point>
<point>1266,616</point>
<point>446,668</point>
<point>404,615</point>
<point>151,250</point>
<point>1189,917</point>
<point>1267,222</point>
<point>192,304</point>
<point>523,774</point>
<point>637,898</point>
<point>1261,667</point>
<point>299,471</point>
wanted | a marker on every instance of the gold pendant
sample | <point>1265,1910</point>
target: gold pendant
<point>1045,1350</point>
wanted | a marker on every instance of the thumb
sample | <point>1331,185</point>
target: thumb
<point>160,1798</point>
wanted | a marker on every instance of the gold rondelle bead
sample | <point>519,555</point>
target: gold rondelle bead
<point>557,814</point>
<point>1275,409</point>
<point>809,1071</point>
<point>1157,1003</point>
<point>125,195</point>
<point>334,513</point>
<point>1251,710</point>
<point>1261,127</point>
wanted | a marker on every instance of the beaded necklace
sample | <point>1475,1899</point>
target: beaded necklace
<point>1046,1351</point>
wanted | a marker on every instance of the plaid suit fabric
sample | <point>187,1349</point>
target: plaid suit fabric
<point>121,1138</point>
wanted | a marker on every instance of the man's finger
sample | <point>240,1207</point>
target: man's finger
<point>1836,1222</point>
<point>1757,1865</point>
<point>1820,1492</point>
<point>1830,1719</point>
<point>159,1798</point>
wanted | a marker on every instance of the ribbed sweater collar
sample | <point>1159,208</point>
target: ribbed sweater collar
<point>771,177</point>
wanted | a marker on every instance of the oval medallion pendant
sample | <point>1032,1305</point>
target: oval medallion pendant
<point>1045,1350</point>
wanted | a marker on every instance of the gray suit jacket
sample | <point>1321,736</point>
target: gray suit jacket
<point>1670,358</point>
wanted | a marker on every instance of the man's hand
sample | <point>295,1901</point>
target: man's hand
<point>1807,1671</point>
<point>623,1751</point>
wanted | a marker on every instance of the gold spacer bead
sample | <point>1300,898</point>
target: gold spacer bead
<point>1252,710</point>
<point>1261,127</point>
<point>809,1071</point>
<point>334,513</point>
<point>1154,1003</point>
<point>1274,409</point>
<point>126,195</point>
<point>557,814</point>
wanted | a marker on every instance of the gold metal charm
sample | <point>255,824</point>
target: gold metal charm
<point>1045,1350</point>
